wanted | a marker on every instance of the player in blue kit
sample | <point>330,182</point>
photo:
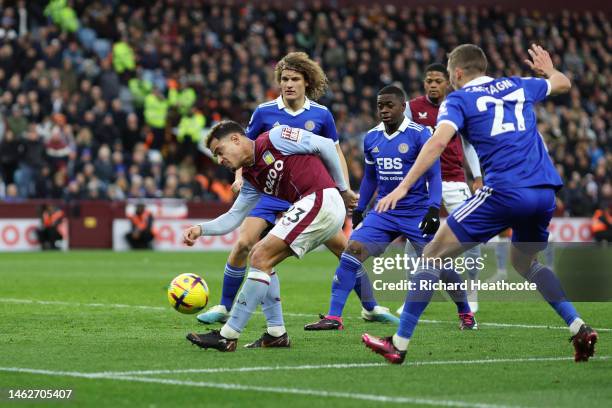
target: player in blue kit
<point>390,150</point>
<point>497,117</point>
<point>301,81</point>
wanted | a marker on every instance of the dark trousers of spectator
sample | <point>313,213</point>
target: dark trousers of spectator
<point>48,237</point>
<point>603,236</point>
<point>144,240</point>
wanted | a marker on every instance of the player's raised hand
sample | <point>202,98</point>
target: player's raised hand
<point>350,198</point>
<point>191,234</point>
<point>390,200</point>
<point>540,62</point>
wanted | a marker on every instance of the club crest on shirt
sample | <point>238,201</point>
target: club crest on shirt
<point>402,148</point>
<point>293,134</point>
<point>422,115</point>
<point>309,125</point>
<point>268,157</point>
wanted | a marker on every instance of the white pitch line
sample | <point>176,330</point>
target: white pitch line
<point>276,390</point>
<point>313,315</point>
<point>340,366</point>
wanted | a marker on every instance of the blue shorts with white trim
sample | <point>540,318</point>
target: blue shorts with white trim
<point>526,210</point>
<point>268,207</point>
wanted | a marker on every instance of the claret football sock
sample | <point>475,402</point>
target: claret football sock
<point>251,295</point>
<point>344,282</point>
<point>232,279</point>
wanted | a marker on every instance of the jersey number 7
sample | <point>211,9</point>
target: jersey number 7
<point>499,126</point>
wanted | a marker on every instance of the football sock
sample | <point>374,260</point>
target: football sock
<point>501,253</point>
<point>363,288</point>
<point>473,254</point>
<point>400,343</point>
<point>272,307</point>
<point>458,296</point>
<point>232,279</point>
<point>344,282</point>
<point>251,295</point>
<point>549,286</point>
<point>416,302</point>
<point>549,255</point>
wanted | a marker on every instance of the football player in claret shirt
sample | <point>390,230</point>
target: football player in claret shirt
<point>497,117</point>
<point>280,163</point>
<point>390,150</point>
<point>301,81</point>
<point>424,111</point>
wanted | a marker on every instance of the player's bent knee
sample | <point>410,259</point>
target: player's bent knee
<point>357,249</point>
<point>260,259</point>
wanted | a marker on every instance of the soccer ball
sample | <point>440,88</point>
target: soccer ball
<point>188,293</point>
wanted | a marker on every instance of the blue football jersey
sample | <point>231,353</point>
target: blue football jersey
<point>313,117</point>
<point>393,156</point>
<point>497,117</point>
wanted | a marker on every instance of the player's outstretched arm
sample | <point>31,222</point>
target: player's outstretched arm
<point>430,152</point>
<point>542,65</point>
<point>227,222</point>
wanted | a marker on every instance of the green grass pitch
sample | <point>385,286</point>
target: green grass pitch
<point>63,325</point>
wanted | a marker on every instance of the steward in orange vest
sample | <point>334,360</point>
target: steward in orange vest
<point>142,232</point>
<point>48,234</point>
<point>601,224</point>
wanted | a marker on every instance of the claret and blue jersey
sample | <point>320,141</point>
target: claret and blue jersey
<point>313,117</point>
<point>497,117</point>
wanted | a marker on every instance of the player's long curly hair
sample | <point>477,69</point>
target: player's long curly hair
<point>312,72</point>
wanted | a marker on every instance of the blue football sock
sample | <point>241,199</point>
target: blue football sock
<point>251,295</point>
<point>232,279</point>
<point>271,307</point>
<point>458,296</point>
<point>363,288</point>
<point>416,302</point>
<point>344,282</point>
<point>549,286</point>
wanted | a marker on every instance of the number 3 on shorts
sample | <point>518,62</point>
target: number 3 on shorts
<point>293,214</point>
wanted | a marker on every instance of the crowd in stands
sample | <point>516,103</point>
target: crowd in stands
<point>110,99</point>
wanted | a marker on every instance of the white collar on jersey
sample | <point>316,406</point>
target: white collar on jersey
<point>402,127</point>
<point>479,81</point>
<point>281,106</point>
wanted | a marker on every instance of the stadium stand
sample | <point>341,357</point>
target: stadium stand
<point>107,100</point>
